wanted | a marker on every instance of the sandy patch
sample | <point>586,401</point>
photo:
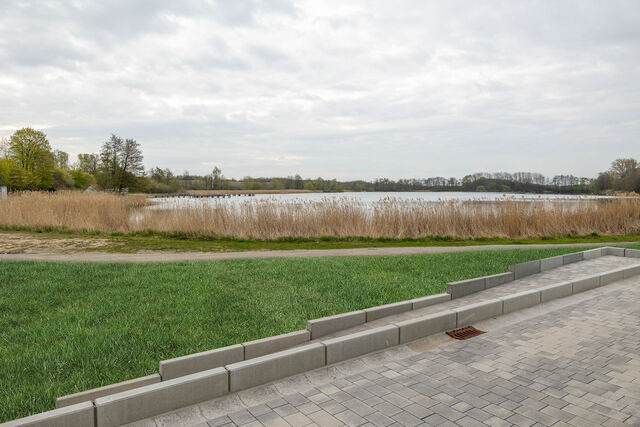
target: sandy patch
<point>17,243</point>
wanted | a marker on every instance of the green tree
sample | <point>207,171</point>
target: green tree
<point>61,159</point>
<point>5,172</point>
<point>30,149</point>
<point>62,179</point>
<point>467,183</point>
<point>216,176</point>
<point>88,163</point>
<point>110,161</point>
<point>82,179</point>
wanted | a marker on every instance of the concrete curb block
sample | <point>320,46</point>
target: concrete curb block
<point>413,329</point>
<point>632,253</point>
<point>327,325</point>
<point>476,312</point>
<point>612,251</point>
<point>264,369</point>
<point>78,415</point>
<point>520,300</point>
<point>498,279</point>
<point>198,362</point>
<point>585,284</point>
<point>430,300</point>
<point>144,402</point>
<point>612,276</point>
<point>261,347</point>
<point>592,254</point>
<point>94,393</point>
<point>525,269</point>
<point>550,263</point>
<point>466,287</point>
<point>571,258</point>
<point>354,345</point>
<point>559,290</point>
<point>381,311</point>
<point>631,271</point>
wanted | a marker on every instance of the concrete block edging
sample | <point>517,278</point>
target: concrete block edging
<point>198,362</point>
<point>359,343</point>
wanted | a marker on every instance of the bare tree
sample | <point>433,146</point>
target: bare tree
<point>623,166</point>
<point>4,146</point>
<point>121,159</point>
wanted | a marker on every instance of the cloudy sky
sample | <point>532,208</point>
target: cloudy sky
<point>346,89</point>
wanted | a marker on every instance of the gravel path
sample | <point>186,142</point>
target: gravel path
<point>161,256</point>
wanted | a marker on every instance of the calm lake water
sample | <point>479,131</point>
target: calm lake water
<point>372,197</point>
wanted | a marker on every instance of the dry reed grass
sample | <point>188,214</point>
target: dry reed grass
<point>69,210</point>
<point>338,217</point>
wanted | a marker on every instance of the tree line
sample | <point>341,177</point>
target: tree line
<point>27,162</point>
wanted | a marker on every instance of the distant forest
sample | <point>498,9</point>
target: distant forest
<point>27,162</point>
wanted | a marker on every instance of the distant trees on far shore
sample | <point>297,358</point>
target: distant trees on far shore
<point>27,162</point>
<point>623,176</point>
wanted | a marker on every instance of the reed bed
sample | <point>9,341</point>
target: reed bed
<point>70,210</point>
<point>266,219</point>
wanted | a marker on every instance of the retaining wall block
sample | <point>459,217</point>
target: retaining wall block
<point>571,258</point>
<point>612,276</point>
<point>586,283</point>
<point>476,312</point>
<point>632,253</point>
<point>525,268</point>
<point>430,300</point>
<point>498,279</point>
<point>78,415</point>
<point>553,262</point>
<point>592,254</point>
<point>257,348</point>
<point>558,290</point>
<point>93,394</point>
<point>381,311</point>
<point>155,399</point>
<point>631,271</point>
<point>465,287</point>
<point>413,329</point>
<point>330,324</point>
<point>611,251</point>
<point>357,344</point>
<point>271,367</point>
<point>197,362</point>
<point>520,300</point>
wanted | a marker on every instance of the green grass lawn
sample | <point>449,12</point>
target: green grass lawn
<point>68,327</point>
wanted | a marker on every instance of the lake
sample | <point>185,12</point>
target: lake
<point>376,196</point>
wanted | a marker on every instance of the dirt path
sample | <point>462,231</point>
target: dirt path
<point>297,253</point>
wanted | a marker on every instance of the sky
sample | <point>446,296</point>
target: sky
<point>338,89</point>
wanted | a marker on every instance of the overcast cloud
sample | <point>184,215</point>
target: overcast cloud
<point>344,89</point>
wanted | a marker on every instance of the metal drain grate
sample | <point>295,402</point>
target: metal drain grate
<point>464,333</point>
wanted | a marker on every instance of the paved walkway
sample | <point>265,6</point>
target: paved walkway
<point>160,256</point>
<point>573,361</point>
<point>557,275</point>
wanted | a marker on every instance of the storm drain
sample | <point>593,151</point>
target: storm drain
<point>464,333</point>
